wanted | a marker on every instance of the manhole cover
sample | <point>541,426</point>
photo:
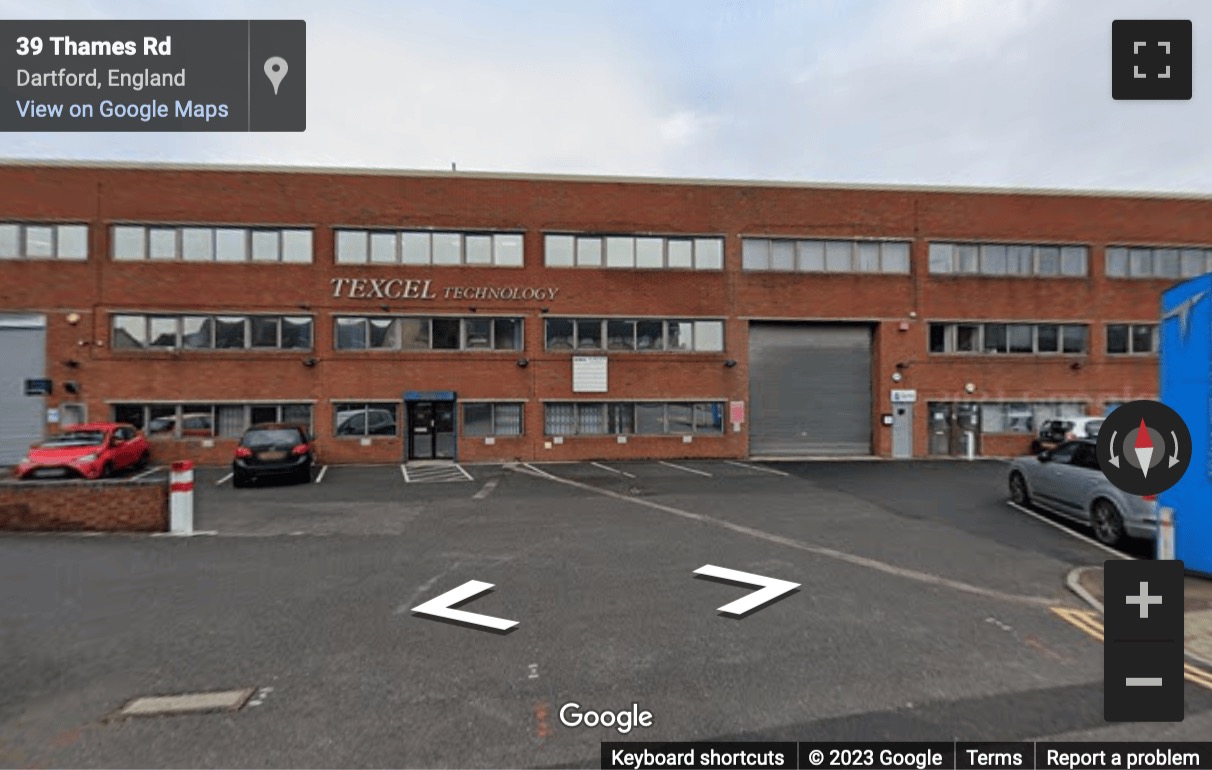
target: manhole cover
<point>188,703</point>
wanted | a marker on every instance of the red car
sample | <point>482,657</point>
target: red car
<point>91,450</point>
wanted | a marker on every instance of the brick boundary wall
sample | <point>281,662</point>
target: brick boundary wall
<point>83,506</point>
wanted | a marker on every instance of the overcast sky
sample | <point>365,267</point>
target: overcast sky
<point>967,92</point>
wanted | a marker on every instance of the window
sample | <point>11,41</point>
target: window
<point>196,332</point>
<point>199,421</point>
<point>361,420</point>
<point>1157,262</point>
<point>640,335</point>
<point>424,247</point>
<point>1019,338</point>
<point>627,252</point>
<point>833,256</point>
<point>210,244</point>
<point>411,333</point>
<point>492,419</point>
<point>231,245</point>
<point>626,418</point>
<point>1131,338</point>
<point>1006,259</point>
<point>130,332</point>
<point>1025,417</point>
<point>32,241</point>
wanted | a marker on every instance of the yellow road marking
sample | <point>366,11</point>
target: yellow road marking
<point>1091,622</point>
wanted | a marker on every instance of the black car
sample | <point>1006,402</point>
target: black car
<point>273,450</point>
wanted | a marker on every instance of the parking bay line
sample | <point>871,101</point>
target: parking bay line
<point>404,470</point>
<point>464,472</point>
<point>320,475</point>
<point>757,468</point>
<point>613,470</point>
<point>1069,531</point>
<point>225,478</point>
<point>486,490</point>
<point>831,553</point>
<point>684,468</point>
<point>147,472</point>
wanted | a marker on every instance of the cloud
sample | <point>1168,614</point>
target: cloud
<point>974,92</point>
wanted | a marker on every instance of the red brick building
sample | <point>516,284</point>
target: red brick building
<point>498,317</point>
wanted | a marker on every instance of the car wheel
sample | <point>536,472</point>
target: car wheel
<point>239,481</point>
<point>1018,489</point>
<point>107,470</point>
<point>143,460</point>
<point>1107,523</point>
<point>304,475</point>
<point>1036,447</point>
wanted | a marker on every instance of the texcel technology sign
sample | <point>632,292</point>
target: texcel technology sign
<point>414,288</point>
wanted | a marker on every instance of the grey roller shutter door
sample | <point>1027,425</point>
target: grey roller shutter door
<point>809,390</point>
<point>23,351</point>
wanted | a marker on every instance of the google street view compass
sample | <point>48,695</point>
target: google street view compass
<point>1144,447</point>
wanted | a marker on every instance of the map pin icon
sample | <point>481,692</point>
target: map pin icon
<point>275,70</point>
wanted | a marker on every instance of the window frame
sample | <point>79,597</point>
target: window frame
<point>952,254</point>
<point>950,338</point>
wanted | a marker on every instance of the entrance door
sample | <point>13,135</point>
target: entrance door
<point>952,426</point>
<point>902,431</point>
<point>940,428</point>
<point>431,430</point>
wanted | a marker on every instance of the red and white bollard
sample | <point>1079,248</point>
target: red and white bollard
<point>181,498</point>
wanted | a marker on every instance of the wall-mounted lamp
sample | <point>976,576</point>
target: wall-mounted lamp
<point>310,362</point>
<point>970,387</point>
<point>903,364</point>
<point>543,309</point>
<point>71,363</point>
<point>71,386</point>
<point>472,309</point>
<point>384,308</point>
<point>304,307</point>
<point>730,363</point>
<point>1076,365</point>
<point>73,318</point>
<point>897,376</point>
<point>523,363</point>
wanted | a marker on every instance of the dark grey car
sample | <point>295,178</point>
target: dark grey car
<point>1069,481</point>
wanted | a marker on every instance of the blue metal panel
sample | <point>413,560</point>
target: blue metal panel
<point>429,395</point>
<point>1186,387</point>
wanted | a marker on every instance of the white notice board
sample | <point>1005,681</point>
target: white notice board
<point>589,374</point>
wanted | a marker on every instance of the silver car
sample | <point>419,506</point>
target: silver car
<point>1068,481</point>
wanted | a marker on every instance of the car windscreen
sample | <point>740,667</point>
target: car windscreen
<point>271,438</point>
<point>76,438</point>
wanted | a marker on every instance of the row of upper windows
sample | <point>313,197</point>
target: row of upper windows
<point>268,332</point>
<point>415,247</point>
<point>1039,338</point>
<point>234,332</point>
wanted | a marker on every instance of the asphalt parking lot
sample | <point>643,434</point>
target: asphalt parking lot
<point>925,611</point>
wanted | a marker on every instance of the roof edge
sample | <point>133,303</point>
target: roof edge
<point>237,168</point>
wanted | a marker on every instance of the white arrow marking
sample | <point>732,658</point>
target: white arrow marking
<point>1114,457</point>
<point>439,607</point>
<point>772,588</point>
<point>1174,457</point>
<point>1144,454</point>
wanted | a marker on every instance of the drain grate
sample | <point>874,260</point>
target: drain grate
<point>187,703</point>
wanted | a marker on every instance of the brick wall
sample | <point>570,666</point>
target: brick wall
<point>899,307</point>
<point>84,506</point>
